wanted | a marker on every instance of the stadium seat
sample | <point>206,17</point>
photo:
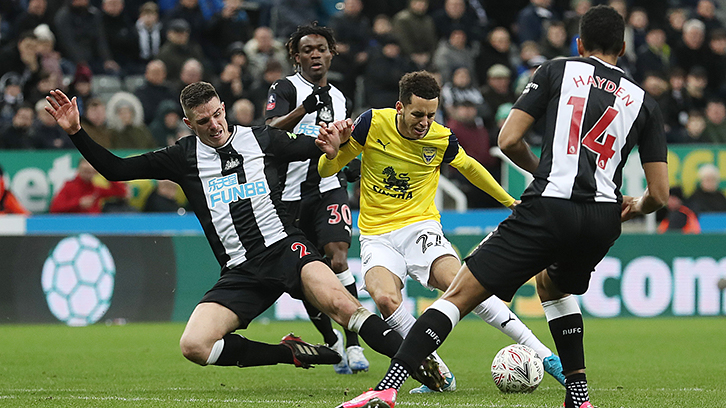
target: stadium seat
<point>132,82</point>
<point>104,86</point>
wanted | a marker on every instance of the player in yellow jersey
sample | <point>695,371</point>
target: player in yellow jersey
<point>402,153</point>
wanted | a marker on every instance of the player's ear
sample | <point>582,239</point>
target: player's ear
<point>188,123</point>
<point>580,47</point>
<point>399,107</point>
<point>622,50</point>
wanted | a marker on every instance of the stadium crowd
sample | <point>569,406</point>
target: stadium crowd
<point>127,61</point>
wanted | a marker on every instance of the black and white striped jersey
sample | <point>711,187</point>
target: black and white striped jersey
<point>286,94</point>
<point>234,190</point>
<point>594,116</point>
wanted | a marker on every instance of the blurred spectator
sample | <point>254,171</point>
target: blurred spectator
<point>46,132</point>
<point>17,134</point>
<point>695,127</point>
<point>51,60</point>
<point>461,89</point>
<point>452,53</point>
<point>243,113</point>
<point>229,84</point>
<point>80,87</point>
<point>192,71</point>
<point>164,198</point>
<point>94,123</point>
<point>531,20</point>
<point>696,83</point>
<point>126,119</point>
<point>230,24</point>
<point>454,17</point>
<point>382,30</point>
<point>8,203</point>
<point>237,56</point>
<point>555,44</point>
<point>691,50</point>
<point>189,11</point>
<point>121,35</point>
<point>708,197</point>
<point>82,37</point>
<point>638,23</point>
<point>654,55</point>
<point>82,195</point>
<point>498,89</point>
<point>572,17</point>
<point>149,32</point>
<point>155,89</point>
<point>22,59</point>
<point>258,95</point>
<point>352,27</point>
<point>706,12</point>
<point>383,72</point>
<point>676,216</point>
<point>416,32</point>
<point>178,48</point>
<point>12,97</point>
<point>717,61</point>
<point>35,15</point>
<point>715,131</point>
<point>497,50</point>
<point>166,123</point>
<point>291,14</point>
<point>676,19</point>
<point>46,83</point>
<point>473,136</point>
<point>263,47</point>
<point>677,104</point>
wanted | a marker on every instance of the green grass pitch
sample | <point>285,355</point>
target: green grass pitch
<point>662,362</point>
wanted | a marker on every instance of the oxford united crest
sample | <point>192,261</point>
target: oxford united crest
<point>428,153</point>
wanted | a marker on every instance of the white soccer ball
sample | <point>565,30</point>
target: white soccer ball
<point>78,279</point>
<point>517,368</point>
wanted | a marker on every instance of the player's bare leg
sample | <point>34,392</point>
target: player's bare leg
<point>208,339</point>
<point>337,253</point>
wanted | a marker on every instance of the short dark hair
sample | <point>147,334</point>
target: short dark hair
<point>313,28</point>
<point>420,83</point>
<point>196,94</point>
<point>602,29</point>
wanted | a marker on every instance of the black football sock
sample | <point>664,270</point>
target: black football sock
<point>426,335</point>
<point>577,394</point>
<point>567,332</point>
<point>380,336</point>
<point>394,378</point>
<point>351,338</point>
<point>243,352</point>
<point>322,322</point>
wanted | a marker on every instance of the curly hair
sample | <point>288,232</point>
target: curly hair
<point>602,29</point>
<point>313,28</point>
<point>420,83</point>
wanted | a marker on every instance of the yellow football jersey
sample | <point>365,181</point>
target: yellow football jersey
<point>399,176</point>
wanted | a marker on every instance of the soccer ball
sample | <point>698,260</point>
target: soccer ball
<point>517,368</point>
<point>78,279</point>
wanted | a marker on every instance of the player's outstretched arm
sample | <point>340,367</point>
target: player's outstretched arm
<point>479,176</point>
<point>330,139</point>
<point>113,168</point>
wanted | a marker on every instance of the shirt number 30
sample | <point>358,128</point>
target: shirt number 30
<point>603,149</point>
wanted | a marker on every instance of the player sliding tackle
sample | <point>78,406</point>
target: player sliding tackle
<point>570,214</point>
<point>403,150</point>
<point>261,254</point>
